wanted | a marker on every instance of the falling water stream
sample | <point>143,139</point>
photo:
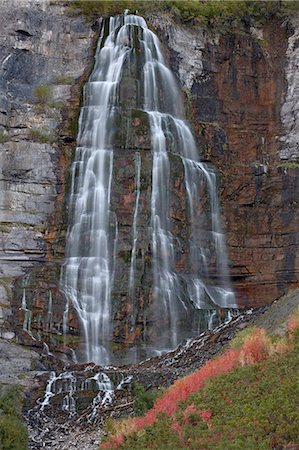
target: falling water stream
<point>177,297</point>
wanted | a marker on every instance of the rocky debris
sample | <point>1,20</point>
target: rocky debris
<point>48,434</point>
<point>275,319</point>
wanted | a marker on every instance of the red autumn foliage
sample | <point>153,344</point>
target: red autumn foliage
<point>293,324</point>
<point>115,442</point>
<point>177,428</point>
<point>181,389</point>
<point>205,414</point>
<point>189,410</point>
<point>256,347</point>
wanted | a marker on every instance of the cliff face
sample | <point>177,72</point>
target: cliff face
<point>44,53</point>
<point>242,90</point>
<point>242,95</point>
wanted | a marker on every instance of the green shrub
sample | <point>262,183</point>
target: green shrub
<point>94,8</point>
<point>13,433</point>
<point>289,164</point>
<point>11,399</point>
<point>42,137</point>
<point>43,95</point>
<point>144,400</point>
<point>59,105</point>
<point>3,137</point>
<point>226,14</point>
<point>64,79</point>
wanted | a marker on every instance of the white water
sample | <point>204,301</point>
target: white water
<point>172,134</point>
<point>50,313</point>
<point>88,273</point>
<point>66,385</point>
<point>27,312</point>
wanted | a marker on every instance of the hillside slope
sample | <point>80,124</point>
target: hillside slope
<point>246,398</point>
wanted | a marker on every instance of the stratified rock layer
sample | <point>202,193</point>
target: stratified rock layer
<point>244,106</point>
<point>45,53</point>
<point>241,93</point>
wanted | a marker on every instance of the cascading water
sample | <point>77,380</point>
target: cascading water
<point>172,311</point>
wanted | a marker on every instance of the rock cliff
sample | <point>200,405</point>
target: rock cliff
<point>242,96</point>
<point>241,88</point>
<point>44,53</point>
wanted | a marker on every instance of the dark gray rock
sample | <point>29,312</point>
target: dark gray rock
<point>41,43</point>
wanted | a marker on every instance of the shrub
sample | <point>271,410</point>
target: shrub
<point>3,137</point>
<point>239,339</point>
<point>13,433</point>
<point>42,137</point>
<point>256,347</point>
<point>43,95</point>
<point>194,405</point>
<point>94,8</point>
<point>144,400</point>
<point>11,399</point>
<point>64,79</point>
<point>293,323</point>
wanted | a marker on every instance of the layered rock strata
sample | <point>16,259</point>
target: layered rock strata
<point>241,89</point>
<point>241,95</point>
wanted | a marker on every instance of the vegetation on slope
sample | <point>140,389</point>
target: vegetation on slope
<point>213,13</point>
<point>247,398</point>
<point>13,433</point>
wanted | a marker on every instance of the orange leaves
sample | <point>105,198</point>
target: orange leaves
<point>177,428</point>
<point>115,442</point>
<point>256,347</point>
<point>191,411</point>
<point>205,414</point>
<point>293,323</point>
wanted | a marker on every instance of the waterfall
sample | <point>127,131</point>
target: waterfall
<point>129,75</point>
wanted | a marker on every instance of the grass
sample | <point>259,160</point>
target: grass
<point>245,399</point>
<point>94,8</point>
<point>13,433</point>
<point>219,12</point>
<point>65,79</point>
<point>210,13</point>
<point>144,399</point>
<point>289,164</point>
<point>3,137</point>
<point>42,137</point>
<point>43,95</point>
